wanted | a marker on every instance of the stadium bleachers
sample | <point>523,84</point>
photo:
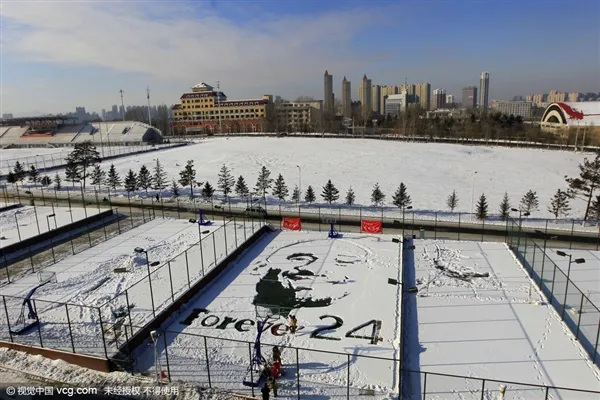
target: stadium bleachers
<point>66,134</point>
<point>12,135</point>
<point>4,129</point>
<point>85,133</point>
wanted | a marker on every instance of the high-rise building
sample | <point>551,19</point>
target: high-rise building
<point>439,98</point>
<point>484,90</point>
<point>395,103</point>
<point>365,95</point>
<point>386,91</point>
<point>376,99</point>
<point>424,94</point>
<point>469,97</point>
<point>346,98</point>
<point>516,108</point>
<point>556,97</point>
<point>449,100</point>
<point>328,99</point>
<point>574,97</point>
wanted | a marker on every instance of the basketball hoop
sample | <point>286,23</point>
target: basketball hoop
<point>265,312</point>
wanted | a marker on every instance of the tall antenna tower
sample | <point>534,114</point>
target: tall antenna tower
<point>219,104</point>
<point>148,97</point>
<point>122,105</point>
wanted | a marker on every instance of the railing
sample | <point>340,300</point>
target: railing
<point>573,306</point>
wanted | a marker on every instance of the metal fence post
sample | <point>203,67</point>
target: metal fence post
<point>225,233</point>
<point>128,310</point>
<point>579,319</point>
<point>251,369</point>
<point>235,232</point>
<point>207,362</point>
<point>214,248</point>
<point>424,385</point>
<point>167,356</point>
<point>482,389</point>
<point>70,330</point>
<point>7,319</point>
<point>201,256</point>
<point>102,332</point>
<point>572,229</point>
<point>187,268</point>
<point>298,371</point>
<point>37,319</point>
<point>171,280</point>
<point>547,393</point>
<point>458,227</point>
<point>348,380</point>
<point>244,228</point>
<point>596,346</point>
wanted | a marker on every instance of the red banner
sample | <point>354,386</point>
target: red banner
<point>371,226</point>
<point>293,224</point>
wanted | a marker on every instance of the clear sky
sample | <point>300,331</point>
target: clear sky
<point>60,54</point>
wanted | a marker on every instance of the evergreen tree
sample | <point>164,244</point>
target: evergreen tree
<point>377,196</point>
<point>159,177</point>
<point>350,197</point>
<point>401,198</point>
<point>19,172</point>
<point>588,181</point>
<point>529,202</point>
<point>144,179</point>
<point>264,182</point>
<point>504,207</point>
<point>595,209</point>
<point>113,180</point>
<point>309,196</point>
<point>33,174</point>
<point>187,176</point>
<point>84,156</point>
<point>559,204</point>
<point>208,191</point>
<point>296,194</point>
<point>330,192</point>
<point>280,190</point>
<point>131,184</point>
<point>452,201</point>
<point>226,181</point>
<point>241,189</point>
<point>481,210</point>
<point>71,171</point>
<point>45,181</point>
<point>97,176</point>
<point>57,181</point>
<point>11,178</point>
<point>175,188</point>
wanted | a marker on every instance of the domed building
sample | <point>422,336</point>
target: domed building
<point>574,118</point>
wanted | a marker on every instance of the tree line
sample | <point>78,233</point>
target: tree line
<point>83,166</point>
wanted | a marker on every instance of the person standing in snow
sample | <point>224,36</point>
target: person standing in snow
<point>293,324</point>
<point>265,392</point>
<point>273,385</point>
<point>276,354</point>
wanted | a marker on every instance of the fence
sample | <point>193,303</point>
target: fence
<point>101,330</point>
<point>575,308</point>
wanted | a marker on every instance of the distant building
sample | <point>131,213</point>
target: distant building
<point>449,100</point>
<point>517,108</point>
<point>469,97</point>
<point>365,95</point>
<point>346,98</point>
<point>300,116</point>
<point>556,97</point>
<point>376,99</point>
<point>328,93</point>
<point>574,97</point>
<point>439,98</point>
<point>385,91</point>
<point>581,117</point>
<point>395,104</point>
<point>484,90</point>
<point>7,116</point>
<point>423,91</point>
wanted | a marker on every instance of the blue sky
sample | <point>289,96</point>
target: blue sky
<point>58,55</point>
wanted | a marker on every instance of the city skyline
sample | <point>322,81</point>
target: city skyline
<point>283,49</point>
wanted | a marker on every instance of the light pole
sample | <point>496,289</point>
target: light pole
<point>571,261</point>
<point>82,198</point>
<point>17,222</point>
<point>200,233</point>
<point>521,215</point>
<point>403,214</point>
<point>51,243</point>
<point>473,193</point>
<point>140,250</point>
<point>299,182</point>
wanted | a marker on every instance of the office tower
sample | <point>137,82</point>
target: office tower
<point>424,94</point>
<point>484,90</point>
<point>346,98</point>
<point>376,99</point>
<point>328,98</point>
<point>365,95</point>
<point>439,98</point>
<point>469,97</point>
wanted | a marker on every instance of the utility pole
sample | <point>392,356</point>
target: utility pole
<point>122,105</point>
<point>219,104</point>
<point>148,97</point>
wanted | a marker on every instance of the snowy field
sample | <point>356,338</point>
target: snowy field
<point>32,221</point>
<point>90,279</point>
<point>334,286</point>
<point>477,314</point>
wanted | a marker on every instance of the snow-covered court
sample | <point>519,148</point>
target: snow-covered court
<point>586,275</point>
<point>102,283</point>
<point>338,290</point>
<point>26,222</point>
<point>478,314</point>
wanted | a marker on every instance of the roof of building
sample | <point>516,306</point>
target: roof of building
<point>573,113</point>
<point>202,85</point>
<point>20,121</point>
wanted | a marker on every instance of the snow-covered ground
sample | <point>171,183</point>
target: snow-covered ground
<point>88,281</point>
<point>478,314</point>
<point>31,221</point>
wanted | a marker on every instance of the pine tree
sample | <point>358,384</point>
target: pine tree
<point>296,194</point>
<point>559,206</point>
<point>175,188</point>
<point>187,176</point>
<point>33,174</point>
<point>208,191</point>
<point>241,189</point>
<point>452,201</point>
<point>45,181</point>
<point>84,156</point>
<point>481,210</point>
<point>11,178</point>
<point>330,192</point>
<point>226,181</point>
<point>144,179</point>
<point>504,207</point>
<point>19,171</point>
<point>264,182</point>
<point>98,176</point>
<point>57,181</point>
<point>588,181</point>
<point>131,184</point>
<point>377,196</point>
<point>71,171</point>
<point>113,180</point>
<point>595,209</point>
<point>350,197</point>
<point>159,177</point>
<point>529,202</point>
<point>401,199</point>
<point>309,196</point>
<point>280,190</point>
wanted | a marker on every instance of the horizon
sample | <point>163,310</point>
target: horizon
<point>283,49</point>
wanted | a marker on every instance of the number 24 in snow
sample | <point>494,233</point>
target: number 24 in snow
<point>374,337</point>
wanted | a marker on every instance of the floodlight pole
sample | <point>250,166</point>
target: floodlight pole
<point>473,193</point>
<point>140,250</point>
<point>578,261</point>
<point>299,183</point>
<point>122,105</point>
<point>51,242</point>
<point>403,214</point>
<point>148,97</point>
<point>17,222</point>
